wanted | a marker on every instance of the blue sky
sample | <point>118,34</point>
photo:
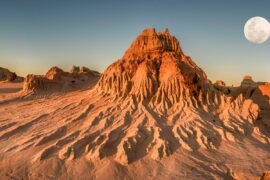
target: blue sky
<point>35,35</point>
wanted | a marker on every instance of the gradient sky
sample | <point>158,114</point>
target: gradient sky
<point>38,34</point>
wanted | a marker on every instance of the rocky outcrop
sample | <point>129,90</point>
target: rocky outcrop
<point>261,96</point>
<point>162,100</point>
<point>221,86</point>
<point>249,82</point>
<point>55,73</point>
<point>150,42</point>
<point>7,75</point>
<point>220,83</point>
<point>76,70</point>
<point>57,80</point>
<point>85,70</point>
<point>155,69</point>
<point>259,92</point>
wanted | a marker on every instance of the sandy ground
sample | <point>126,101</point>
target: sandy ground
<point>36,134</point>
<point>6,87</point>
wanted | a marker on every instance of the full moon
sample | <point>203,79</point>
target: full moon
<point>257,30</point>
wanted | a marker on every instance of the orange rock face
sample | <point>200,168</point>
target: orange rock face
<point>55,73</point>
<point>259,92</point>
<point>156,86</point>
<point>155,69</point>
<point>151,42</point>
<point>265,89</point>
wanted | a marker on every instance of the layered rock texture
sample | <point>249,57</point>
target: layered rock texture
<point>175,99</point>
<point>154,69</point>
<point>259,93</point>
<point>56,80</point>
<point>153,114</point>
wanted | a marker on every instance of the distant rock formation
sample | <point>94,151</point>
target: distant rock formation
<point>221,86</point>
<point>76,70</point>
<point>249,82</point>
<point>55,73</point>
<point>58,80</point>
<point>220,83</point>
<point>7,75</point>
<point>259,92</point>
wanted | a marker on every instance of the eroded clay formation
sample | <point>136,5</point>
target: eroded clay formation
<point>149,103</point>
<point>58,80</point>
<point>157,100</point>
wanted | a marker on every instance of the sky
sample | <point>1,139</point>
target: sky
<point>36,34</point>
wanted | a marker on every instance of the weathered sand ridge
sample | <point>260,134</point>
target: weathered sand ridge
<point>153,114</point>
